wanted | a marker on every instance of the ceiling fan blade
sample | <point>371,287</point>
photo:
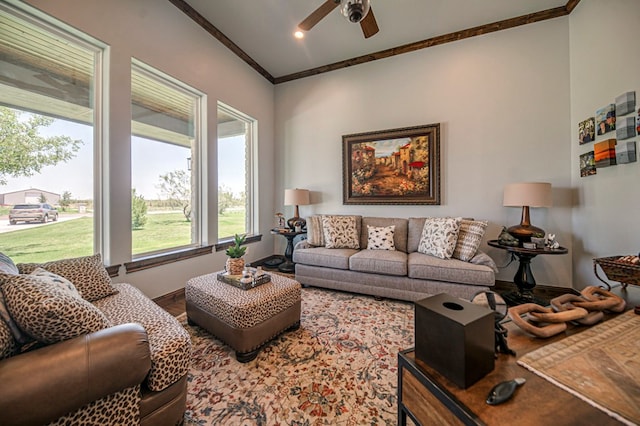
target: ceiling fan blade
<point>317,15</point>
<point>369,25</point>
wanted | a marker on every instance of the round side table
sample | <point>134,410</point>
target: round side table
<point>524,279</point>
<point>288,266</point>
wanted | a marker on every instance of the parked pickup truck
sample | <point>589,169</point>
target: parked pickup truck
<point>32,213</point>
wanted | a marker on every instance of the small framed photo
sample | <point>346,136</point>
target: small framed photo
<point>606,119</point>
<point>587,164</point>
<point>605,153</point>
<point>586,130</point>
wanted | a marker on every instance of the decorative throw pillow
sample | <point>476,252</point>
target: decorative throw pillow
<point>48,312</point>
<point>381,237</point>
<point>469,238</point>
<point>340,232</point>
<point>315,233</point>
<point>56,280</point>
<point>87,274</point>
<point>8,344</point>
<point>7,266</point>
<point>439,236</point>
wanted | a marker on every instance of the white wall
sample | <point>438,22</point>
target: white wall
<point>503,102</point>
<point>604,64</point>
<point>159,34</point>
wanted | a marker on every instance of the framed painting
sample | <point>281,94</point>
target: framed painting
<point>397,166</point>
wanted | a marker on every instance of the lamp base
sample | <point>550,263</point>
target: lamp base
<point>524,232</point>
<point>292,223</point>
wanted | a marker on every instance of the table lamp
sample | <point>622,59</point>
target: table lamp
<point>296,197</point>
<point>525,195</point>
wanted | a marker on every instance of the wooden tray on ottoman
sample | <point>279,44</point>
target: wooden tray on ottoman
<point>234,280</point>
<point>625,273</point>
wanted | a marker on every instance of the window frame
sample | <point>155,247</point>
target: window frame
<point>251,183</point>
<point>100,104</point>
<point>199,229</point>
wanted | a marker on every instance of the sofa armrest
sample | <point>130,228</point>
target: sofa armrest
<point>302,244</point>
<point>42,385</point>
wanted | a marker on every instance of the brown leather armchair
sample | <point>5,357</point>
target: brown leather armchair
<point>40,386</point>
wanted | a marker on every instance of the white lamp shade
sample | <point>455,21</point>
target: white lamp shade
<point>531,194</point>
<point>296,197</point>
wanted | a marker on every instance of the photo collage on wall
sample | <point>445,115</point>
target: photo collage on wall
<point>611,148</point>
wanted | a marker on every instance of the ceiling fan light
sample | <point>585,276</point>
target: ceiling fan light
<point>355,10</point>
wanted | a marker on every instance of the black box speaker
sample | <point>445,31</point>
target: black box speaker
<point>455,337</point>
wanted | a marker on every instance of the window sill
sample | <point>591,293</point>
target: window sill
<point>163,259</point>
<point>223,245</point>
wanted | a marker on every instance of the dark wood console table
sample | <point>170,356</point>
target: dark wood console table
<point>429,398</point>
<point>523,278</point>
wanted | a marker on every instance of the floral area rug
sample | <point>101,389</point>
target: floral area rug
<point>338,368</point>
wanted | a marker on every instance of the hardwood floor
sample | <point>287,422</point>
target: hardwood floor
<point>172,302</point>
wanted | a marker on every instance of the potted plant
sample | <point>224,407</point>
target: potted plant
<point>235,262</point>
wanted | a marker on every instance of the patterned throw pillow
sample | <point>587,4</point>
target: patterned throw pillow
<point>469,238</point>
<point>381,237</point>
<point>52,279</point>
<point>439,236</point>
<point>87,274</point>
<point>315,232</point>
<point>340,232</point>
<point>49,313</point>
<point>7,266</point>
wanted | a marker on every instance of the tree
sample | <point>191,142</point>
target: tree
<point>65,201</point>
<point>138,210</point>
<point>225,199</point>
<point>42,198</point>
<point>176,186</point>
<point>24,151</point>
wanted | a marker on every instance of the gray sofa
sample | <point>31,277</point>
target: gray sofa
<point>404,273</point>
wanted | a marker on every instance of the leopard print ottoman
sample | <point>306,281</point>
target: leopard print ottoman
<point>243,319</point>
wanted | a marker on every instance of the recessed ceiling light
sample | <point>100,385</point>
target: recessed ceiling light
<point>298,34</point>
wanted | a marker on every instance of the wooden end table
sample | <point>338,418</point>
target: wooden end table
<point>523,278</point>
<point>429,398</point>
<point>288,266</point>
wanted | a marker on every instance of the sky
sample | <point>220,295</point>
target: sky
<point>150,160</point>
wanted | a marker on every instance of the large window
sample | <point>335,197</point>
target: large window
<point>166,209</point>
<point>235,172</point>
<point>49,138</point>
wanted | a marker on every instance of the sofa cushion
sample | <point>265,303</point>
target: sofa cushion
<point>87,273</point>
<point>387,262</point>
<point>340,232</point>
<point>439,236</point>
<point>8,345</point>
<point>322,256</point>
<point>169,342</point>
<point>399,234</point>
<point>424,266</point>
<point>48,312</point>
<point>469,239</point>
<point>315,232</point>
<point>380,237</point>
<point>415,226</point>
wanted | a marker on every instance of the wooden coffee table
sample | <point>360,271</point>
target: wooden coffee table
<point>428,397</point>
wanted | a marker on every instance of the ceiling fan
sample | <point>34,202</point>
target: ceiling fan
<point>354,10</point>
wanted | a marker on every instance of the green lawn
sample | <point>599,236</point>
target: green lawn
<point>74,238</point>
